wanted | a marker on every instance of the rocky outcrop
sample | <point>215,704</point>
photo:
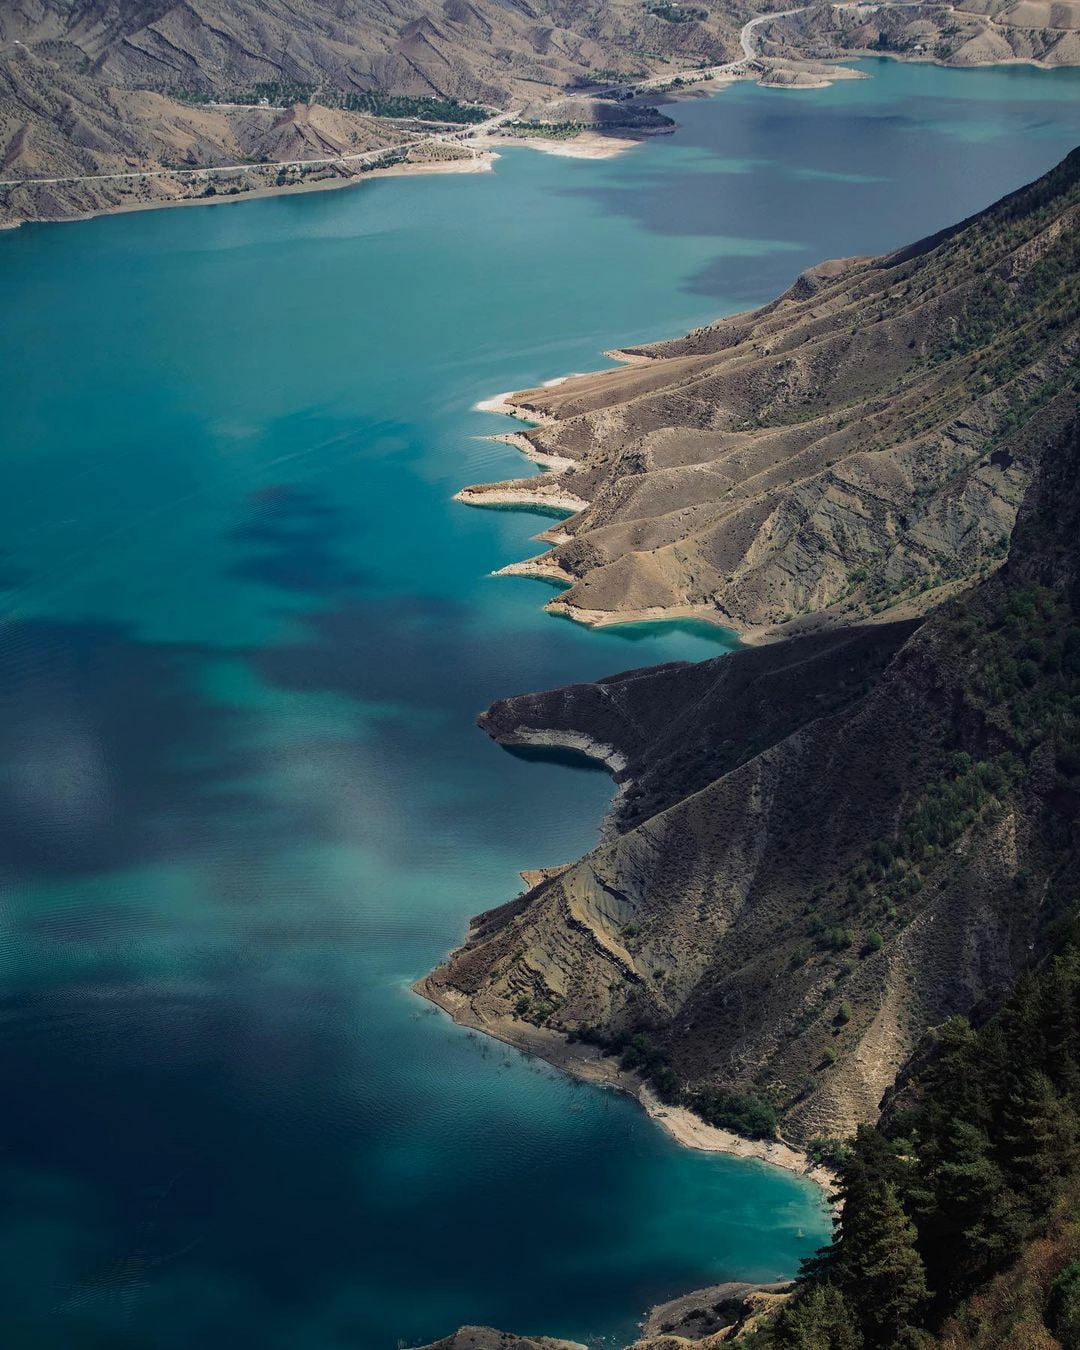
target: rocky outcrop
<point>852,450</point>
<point>487,1338</point>
<point>701,1320</point>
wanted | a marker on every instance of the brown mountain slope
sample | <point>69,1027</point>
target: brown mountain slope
<point>90,89</point>
<point>969,34</point>
<point>95,88</point>
<point>846,451</point>
<point>847,875</point>
<point>826,846</point>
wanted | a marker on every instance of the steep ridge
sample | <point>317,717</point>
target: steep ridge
<point>845,452</point>
<point>958,1224</point>
<point>824,847</point>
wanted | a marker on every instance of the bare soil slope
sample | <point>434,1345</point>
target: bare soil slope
<point>848,451</point>
<point>826,846</point>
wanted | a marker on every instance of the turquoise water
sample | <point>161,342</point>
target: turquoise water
<point>245,633</point>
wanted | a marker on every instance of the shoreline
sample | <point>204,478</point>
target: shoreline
<point>538,569</point>
<point>577,1060</point>
<point>587,1064</point>
<point>484,150</point>
<point>586,145</point>
<point>604,618</point>
<point>613,760</point>
<point>482,162</point>
<point>514,493</point>
<point>522,492</point>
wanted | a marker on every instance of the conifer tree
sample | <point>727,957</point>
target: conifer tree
<point>882,1274</point>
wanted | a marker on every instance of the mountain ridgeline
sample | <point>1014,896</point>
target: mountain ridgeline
<point>823,847</point>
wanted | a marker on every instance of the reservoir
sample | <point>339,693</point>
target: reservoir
<point>244,633</point>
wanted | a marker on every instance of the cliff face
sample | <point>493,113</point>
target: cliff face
<point>826,846</point>
<point>853,449</point>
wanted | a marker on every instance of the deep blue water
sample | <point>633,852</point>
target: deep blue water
<point>242,802</point>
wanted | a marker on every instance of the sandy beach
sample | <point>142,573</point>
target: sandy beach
<point>587,145</point>
<point>504,405</point>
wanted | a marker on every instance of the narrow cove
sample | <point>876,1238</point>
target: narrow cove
<point>246,632</point>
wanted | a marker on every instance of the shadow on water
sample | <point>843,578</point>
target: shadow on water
<point>528,509</point>
<point>129,1232</point>
<point>833,162</point>
<point>726,639</point>
<point>295,534</point>
<point>112,756</point>
<point>557,754</point>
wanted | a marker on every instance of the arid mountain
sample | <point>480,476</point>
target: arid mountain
<point>848,451</point>
<point>972,34</point>
<point>825,846</point>
<point>91,89</point>
<point>97,88</point>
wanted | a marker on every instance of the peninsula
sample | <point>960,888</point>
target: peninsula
<point>830,849</point>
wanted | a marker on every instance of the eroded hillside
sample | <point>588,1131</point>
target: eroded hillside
<point>823,847</point>
<point>90,89</point>
<point>848,451</point>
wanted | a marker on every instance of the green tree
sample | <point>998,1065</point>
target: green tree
<point>968,1217</point>
<point>1063,1307</point>
<point>817,1318</point>
<point>882,1274</point>
<point>1038,1139</point>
